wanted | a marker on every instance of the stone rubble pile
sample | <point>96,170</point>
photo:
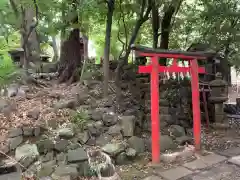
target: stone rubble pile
<point>55,152</point>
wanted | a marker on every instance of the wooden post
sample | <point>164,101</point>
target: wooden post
<point>155,111</point>
<point>196,104</point>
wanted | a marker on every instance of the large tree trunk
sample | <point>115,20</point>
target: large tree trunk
<point>33,41</point>
<point>71,55</point>
<point>70,58</point>
<point>165,31</point>
<point>110,4</point>
<point>26,28</point>
<point>155,23</point>
<point>166,26</point>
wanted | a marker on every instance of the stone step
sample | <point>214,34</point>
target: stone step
<point>144,85</point>
<point>142,80</point>
<point>162,110</point>
<point>162,103</point>
<point>163,117</point>
<point>142,75</point>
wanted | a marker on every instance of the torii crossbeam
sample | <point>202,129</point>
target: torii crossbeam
<point>154,70</point>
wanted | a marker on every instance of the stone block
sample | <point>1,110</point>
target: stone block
<point>230,152</point>
<point>235,160</point>
<point>164,110</point>
<point>10,172</point>
<point>212,159</point>
<point>165,117</point>
<point>195,165</point>
<point>175,173</point>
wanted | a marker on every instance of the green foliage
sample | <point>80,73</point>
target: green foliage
<point>80,119</point>
<point>7,69</point>
<point>208,21</point>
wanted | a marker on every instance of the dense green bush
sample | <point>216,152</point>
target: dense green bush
<point>7,68</point>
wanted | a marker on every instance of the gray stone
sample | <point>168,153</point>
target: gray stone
<point>177,131</point>
<point>166,117</point>
<point>37,131</point>
<point>83,137</point>
<point>15,142</point>
<point>21,93</point>
<point>166,143</point>
<point>12,90</point>
<point>61,157</point>
<point>15,132</point>
<point>130,152</point>
<point>34,113</point>
<point>84,169</point>
<point>97,115</point>
<point>94,132</point>
<point>5,149</point>
<point>122,159</point>
<point>114,130</point>
<point>98,124</point>
<point>103,140</point>
<point>175,173</point>
<point>65,170</point>
<point>48,157</point>
<point>219,172</point>
<point>164,110</point>
<point>61,145</point>
<point>113,149</point>
<point>52,123</point>
<point>152,178</point>
<point>195,165</point>
<point>235,160</point>
<point>45,178</point>
<point>28,131</point>
<point>45,145</point>
<point>183,140</point>
<point>137,144</point>
<point>5,107</point>
<point>76,155</point>
<point>212,159</point>
<point>46,169</point>
<point>26,154</point>
<point>74,146</point>
<point>66,133</point>
<point>66,103</point>
<point>13,172</point>
<point>230,152</point>
<point>128,125</point>
<point>109,119</point>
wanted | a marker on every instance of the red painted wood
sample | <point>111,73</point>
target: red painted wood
<point>154,69</point>
<point>148,69</point>
<point>196,104</point>
<point>155,111</point>
<point>178,56</point>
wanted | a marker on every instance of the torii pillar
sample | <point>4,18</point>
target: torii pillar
<point>154,70</point>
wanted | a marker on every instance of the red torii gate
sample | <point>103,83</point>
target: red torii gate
<point>154,70</point>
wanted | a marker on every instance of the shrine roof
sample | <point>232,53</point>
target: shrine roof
<point>144,49</point>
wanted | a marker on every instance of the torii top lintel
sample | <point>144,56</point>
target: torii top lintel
<point>159,53</point>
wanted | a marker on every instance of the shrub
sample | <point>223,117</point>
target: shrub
<point>80,118</point>
<point>7,69</point>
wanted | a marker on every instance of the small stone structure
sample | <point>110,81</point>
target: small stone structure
<point>17,56</point>
<point>219,95</point>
